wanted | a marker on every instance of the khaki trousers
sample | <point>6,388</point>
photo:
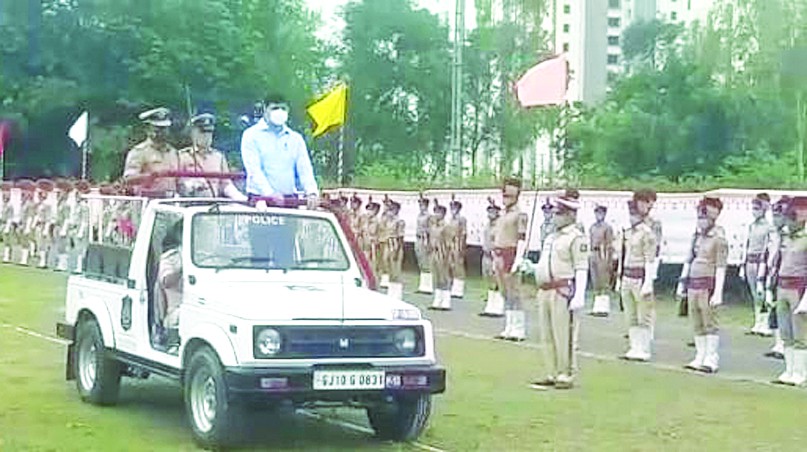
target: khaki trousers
<point>703,315</point>
<point>638,309</point>
<point>556,333</point>
<point>793,327</point>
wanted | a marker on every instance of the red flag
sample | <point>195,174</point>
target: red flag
<point>4,135</point>
<point>544,84</point>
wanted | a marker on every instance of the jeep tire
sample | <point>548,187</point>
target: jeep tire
<point>402,420</point>
<point>210,410</point>
<point>97,376</point>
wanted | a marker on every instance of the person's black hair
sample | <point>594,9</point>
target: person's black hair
<point>276,98</point>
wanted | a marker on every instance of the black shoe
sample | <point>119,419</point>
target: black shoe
<point>707,370</point>
<point>774,355</point>
<point>691,344</point>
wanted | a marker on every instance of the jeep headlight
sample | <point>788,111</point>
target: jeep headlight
<point>267,343</point>
<point>406,340</point>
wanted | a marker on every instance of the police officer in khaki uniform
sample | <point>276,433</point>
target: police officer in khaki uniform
<point>384,234</point>
<point>601,247</point>
<point>509,247</point>
<point>65,203</point>
<point>395,243</point>
<point>355,217</point>
<point>702,277</point>
<point>152,156</point>
<point>459,231</point>
<point>791,302</point>
<point>79,227</point>
<point>44,222</point>
<point>371,234</point>
<point>8,221</point>
<point>23,241</point>
<point>645,201</point>
<point>425,284</point>
<point>547,227</point>
<point>561,275</point>
<point>439,251</point>
<point>754,267</point>
<point>201,157</point>
<point>637,255</point>
<point>774,251</point>
<point>494,306</point>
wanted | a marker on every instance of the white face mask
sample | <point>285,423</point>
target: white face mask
<point>278,117</point>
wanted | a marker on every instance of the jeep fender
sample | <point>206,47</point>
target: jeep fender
<point>214,336</point>
<point>98,309</point>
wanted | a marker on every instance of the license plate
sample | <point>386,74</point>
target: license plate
<point>348,379</point>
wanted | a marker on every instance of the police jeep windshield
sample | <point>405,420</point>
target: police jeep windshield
<point>259,240</point>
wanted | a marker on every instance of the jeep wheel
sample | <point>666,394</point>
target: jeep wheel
<point>212,414</point>
<point>97,377</point>
<point>403,420</point>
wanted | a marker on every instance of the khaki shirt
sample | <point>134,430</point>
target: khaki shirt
<point>439,239</point>
<point>774,253</point>
<point>207,161</point>
<point>794,255</point>
<point>758,236</point>
<point>398,229</point>
<point>422,226</point>
<point>488,236</point>
<point>385,227</point>
<point>547,227</point>
<point>28,215</point>
<point>602,240</point>
<point>371,228</point>
<point>709,253</point>
<point>460,227</point>
<point>640,246</point>
<point>564,252</point>
<point>511,227</point>
<point>655,226</point>
<point>146,158</point>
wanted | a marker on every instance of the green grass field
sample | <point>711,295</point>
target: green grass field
<point>488,406</point>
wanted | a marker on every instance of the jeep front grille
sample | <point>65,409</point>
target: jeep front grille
<point>342,342</point>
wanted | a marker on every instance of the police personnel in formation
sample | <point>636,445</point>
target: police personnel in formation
<point>44,222</point>
<point>384,235</point>
<point>459,232</point>
<point>601,236</point>
<point>637,255</point>
<point>547,227</point>
<point>703,276</point>
<point>753,269</point>
<point>645,201</point>
<point>439,251</point>
<point>371,233</point>
<point>561,275</point>
<point>201,157</point>
<point>395,248</point>
<point>425,284</point>
<point>79,227</point>
<point>26,238</point>
<point>791,295</point>
<point>509,247</point>
<point>494,306</point>
<point>355,219</point>
<point>774,260</point>
<point>65,202</point>
<point>8,221</point>
<point>151,156</point>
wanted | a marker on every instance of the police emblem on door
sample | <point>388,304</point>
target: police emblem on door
<point>126,313</point>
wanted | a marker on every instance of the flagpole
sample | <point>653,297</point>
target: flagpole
<point>340,170</point>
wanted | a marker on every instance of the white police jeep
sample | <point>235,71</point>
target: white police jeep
<point>247,306</point>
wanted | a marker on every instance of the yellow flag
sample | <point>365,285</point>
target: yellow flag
<point>330,110</point>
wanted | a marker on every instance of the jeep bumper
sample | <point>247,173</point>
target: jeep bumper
<point>299,383</point>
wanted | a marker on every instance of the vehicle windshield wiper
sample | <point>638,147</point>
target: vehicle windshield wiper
<point>252,260</point>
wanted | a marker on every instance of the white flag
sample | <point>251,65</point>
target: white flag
<point>78,131</point>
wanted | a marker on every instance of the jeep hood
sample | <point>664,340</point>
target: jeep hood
<point>295,301</point>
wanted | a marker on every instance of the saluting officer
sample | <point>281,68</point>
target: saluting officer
<point>636,283</point>
<point>509,246</point>
<point>439,244</point>
<point>395,243</point>
<point>8,221</point>
<point>459,231</point>
<point>153,155</point>
<point>703,276</point>
<point>754,267</point>
<point>561,275</point>
<point>422,246</point>
<point>601,262</point>
<point>494,306</point>
<point>201,157</point>
<point>791,305</point>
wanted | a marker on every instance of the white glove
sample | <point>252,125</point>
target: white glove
<point>647,284</point>
<point>517,264</point>
<point>656,265</point>
<point>742,271</point>
<point>580,282</point>
<point>802,306</point>
<point>679,290</point>
<point>526,267</point>
<point>717,296</point>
